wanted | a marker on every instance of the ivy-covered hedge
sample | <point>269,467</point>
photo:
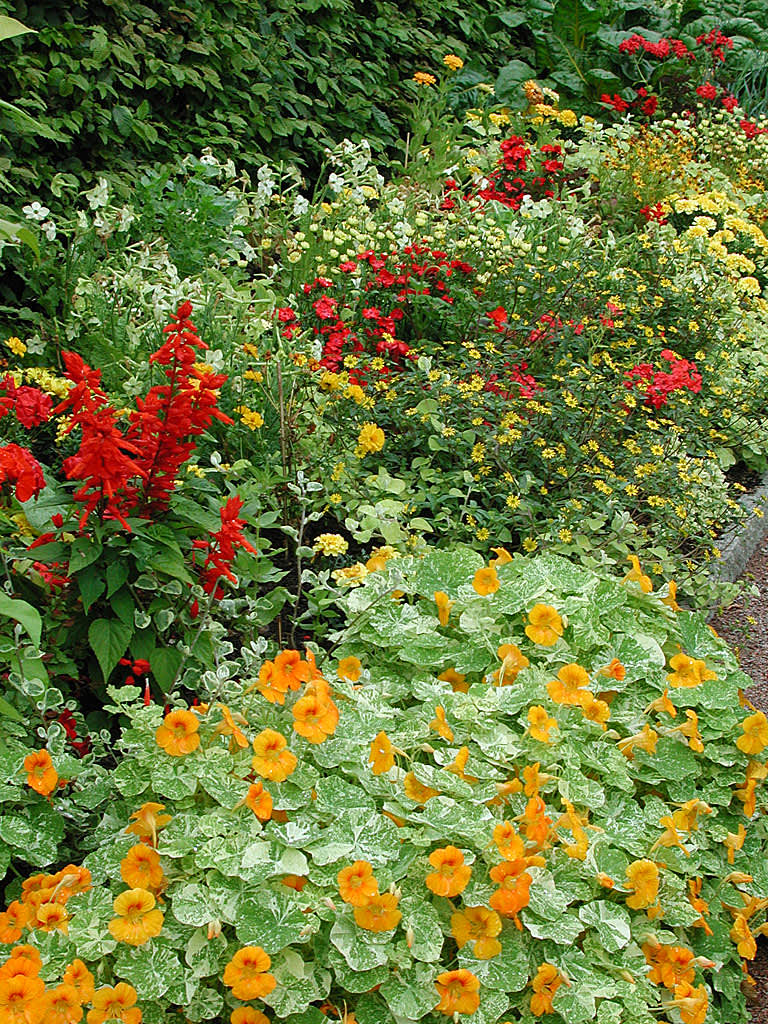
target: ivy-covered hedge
<point>123,83</point>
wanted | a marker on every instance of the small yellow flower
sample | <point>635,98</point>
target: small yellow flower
<point>249,417</point>
<point>330,544</point>
<point>370,439</point>
<point>453,62</point>
<point>16,345</point>
<point>422,78</point>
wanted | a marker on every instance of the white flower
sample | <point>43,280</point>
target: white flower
<point>49,230</point>
<point>98,195</point>
<point>35,211</point>
<point>300,206</point>
<point>335,182</point>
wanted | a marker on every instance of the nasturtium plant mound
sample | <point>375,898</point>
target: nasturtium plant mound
<point>514,791</point>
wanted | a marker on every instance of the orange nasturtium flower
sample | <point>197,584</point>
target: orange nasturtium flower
<point>662,703</point>
<point>510,844</point>
<point>486,581</point>
<point>615,670</point>
<point>380,914</point>
<point>290,671</point>
<point>688,671</point>
<point>444,605</point>
<point>513,661</point>
<point>147,822</point>
<point>140,868</point>
<point>137,917</point>
<point>636,575</point>
<point>691,1002</point>
<point>247,1015</point>
<point>594,709</point>
<point>451,874</point>
<point>50,917</point>
<point>178,735</point>
<point>230,726</point>
<point>272,760</point>
<point>734,841</point>
<point>259,801</point>
<point>643,880</point>
<point>571,679</point>
<point>546,982</point>
<point>349,668</point>
<point>80,978</point>
<point>544,625</point>
<point>61,1005</point>
<point>459,992</point>
<point>416,790</point>
<point>247,973</point>
<point>19,999</point>
<point>440,725</point>
<point>357,885</point>
<point>742,935</point>
<point>513,893</point>
<point>382,756</point>
<point>23,960</point>
<point>479,925</point>
<point>115,1004</point>
<point>13,921</point>
<point>315,718</point>
<point>457,680</point>
<point>41,775</point>
<point>755,738</point>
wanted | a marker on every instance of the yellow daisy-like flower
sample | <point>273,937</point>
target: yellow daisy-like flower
<point>370,439</point>
<point>422,78</point>
<point>453,62</point>
<point>16,345</point>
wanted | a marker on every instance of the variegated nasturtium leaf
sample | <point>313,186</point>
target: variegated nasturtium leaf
<point>544,793</point>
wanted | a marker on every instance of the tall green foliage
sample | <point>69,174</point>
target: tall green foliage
<point>125,83</point>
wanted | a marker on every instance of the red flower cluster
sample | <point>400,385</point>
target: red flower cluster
<point>158,439</point>
<point>221,549</point>
<point>714,41</point>
<point>523,172</point>
<point>751,130</point>
<point>67,720</point>
<point>662,49</point>
<point>19,466</point>
<point>392,282</point>
<point>645,102</point>
<point>655,213</point>
<point>661,384</point>
<point>31,405</point>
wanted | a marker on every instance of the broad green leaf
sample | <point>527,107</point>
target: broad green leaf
<point>421,920</point>
<point>272,921</point>
<point>23,613</point>
<point>109,639</point>
<point>298,984</point>
<point>11,27</point>
<point>151,968</point>
<point>411,994</point>
<point>611,921</point>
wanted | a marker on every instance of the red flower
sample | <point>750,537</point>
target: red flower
<point>19,466</point>
<point>222,548</point>
<point>33,407</point>
<point>706,91</point>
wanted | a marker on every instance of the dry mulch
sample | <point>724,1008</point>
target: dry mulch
<point>745,627</point>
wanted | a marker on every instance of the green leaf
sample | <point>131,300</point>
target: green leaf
<point>611,921</point>
<point>427,935</point>
<point>362,950</point>
<point>510,79</point>
<point>272,921</point>
<point>150,968</point>
<point>165,663</point>
<point>10,28</point>
<point>109,639</point>
<point>91,584</point>
<point>411,994</point>
<point>298,984</point>
<point>23,613</point>
<point>190,904</point>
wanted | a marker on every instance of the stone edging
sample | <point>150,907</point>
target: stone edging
<point>738,544</point>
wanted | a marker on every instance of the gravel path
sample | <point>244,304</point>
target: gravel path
<point>745,627</point>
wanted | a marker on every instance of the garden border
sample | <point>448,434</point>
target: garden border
<point>739,543</point>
